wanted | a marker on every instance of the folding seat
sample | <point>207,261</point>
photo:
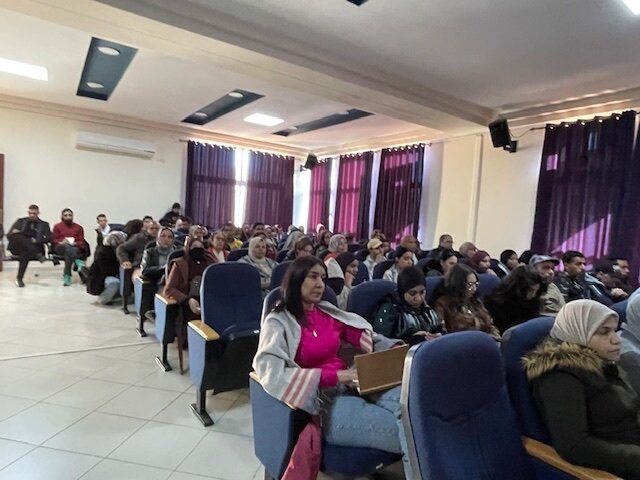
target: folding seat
<point>362,254</point>
<point>621,309</point>
<point>277,275</point>
<point>487,283</point>
<point>222,345</point>
<point>380,268</point>
<point>364,298</point>
<point>422,263</point>
<point>432,284</point>
<point>235,255</point>
<point>362,275</point>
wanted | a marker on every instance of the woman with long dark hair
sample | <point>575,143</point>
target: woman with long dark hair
<point>441,264</point>
<point>299,362</point>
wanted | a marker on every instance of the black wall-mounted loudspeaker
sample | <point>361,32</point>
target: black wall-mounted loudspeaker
<point>501,137</point>
<point>311,162</point>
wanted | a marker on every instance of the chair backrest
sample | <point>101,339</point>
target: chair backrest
<point>353,247</point>
<point>499,267</point>
<point>362,275</point>
<point>277,275</point>
<point>621,309</point>
<point>432,283</point>
<point>422,263</point>
<point>466,424</point>
<point>235,255</point>
<point>364,298</point>
<point>282,254</point>
<point>275,295</point>
<point>173,256</point>
<point>380,268</point>
<point>516,342</point>
<point>362,254</point>
<point>230,296</point>
<point>487,284</point>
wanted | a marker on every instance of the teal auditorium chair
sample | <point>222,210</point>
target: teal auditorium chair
<point>223,343</point>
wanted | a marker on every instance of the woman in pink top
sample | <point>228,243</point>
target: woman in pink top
<point>300,361</point>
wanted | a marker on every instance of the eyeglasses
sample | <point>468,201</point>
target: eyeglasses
<point>473,284</point>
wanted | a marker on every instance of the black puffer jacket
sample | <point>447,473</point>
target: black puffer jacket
<point>591,412</point>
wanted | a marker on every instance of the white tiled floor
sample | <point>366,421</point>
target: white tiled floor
<point>102,413</point>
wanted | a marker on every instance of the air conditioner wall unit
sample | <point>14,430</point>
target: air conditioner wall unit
<point>115,145</point>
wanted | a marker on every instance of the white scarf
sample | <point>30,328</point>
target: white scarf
<point>579,320</point>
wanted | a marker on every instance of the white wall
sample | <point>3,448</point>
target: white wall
<point>43,166</point>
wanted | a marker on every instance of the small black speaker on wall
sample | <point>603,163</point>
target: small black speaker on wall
<point>311,162</point>
<point>501,137</point>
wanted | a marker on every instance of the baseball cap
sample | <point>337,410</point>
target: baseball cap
<point>374,243</point>
<point>536,259</point>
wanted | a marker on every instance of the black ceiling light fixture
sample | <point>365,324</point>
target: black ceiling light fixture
<point>357,2</point>
<point>104,66</point>
<point>324,122</point>
<point>233,100</point>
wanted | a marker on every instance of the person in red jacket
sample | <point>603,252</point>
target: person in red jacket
<point>68,241</point>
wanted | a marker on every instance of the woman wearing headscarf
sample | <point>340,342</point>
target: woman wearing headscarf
<point>104,274</point>
<point>292,239</point>
<point>591,412</point>
<point>302,248</point>
<point>481,262</point>
<point>257,257</point>
<point>630,337</point>
<point>405,313</point>
<point>337,245</point>
<point>322,248</point>
<point>341,272</point>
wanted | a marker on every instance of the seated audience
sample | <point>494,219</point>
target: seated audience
<point>525,257</point>
<point>341,272</point>
<point>27,239</point>
<point>146,221</point>
<point>481,262</point>
<point>337,245</point>
<point>374,246</point>
<point>199,232</point>
<point>133,226</point>
<point>411,243</point>
<point>517,299</point>
<point>625,282</point>
<point>185,277</point>
<point>630,338</point>
<point>68,241</point>
<point>445,242</point>
<point>459,307</point>
<point>571,282</point>
<point>229,231</point>
<point>130,252</point>
<point>302,248</point>
<point>154,259</point>
<point>606,291</point>
<point>257,257</point>
<point>104,276</point>
<point>245,232</point>
<point>102,230</point>
<point>182,227</point>
<point>217,250</point>
<point>299,362</point>
<point>591,412</point>
<point>509,259</point>
<point>552,299</point>
<point>322,248</point>
<point>467,250</point>
<point>405,314</point>
<point>170,218</point>
<point>403,258</point>
<point>441,264</point>
<point>292,239</point>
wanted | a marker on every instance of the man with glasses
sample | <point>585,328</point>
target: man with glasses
<point>27,237</point>
<point>68,241</point>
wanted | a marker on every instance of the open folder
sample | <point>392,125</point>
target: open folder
<point>380,371</point>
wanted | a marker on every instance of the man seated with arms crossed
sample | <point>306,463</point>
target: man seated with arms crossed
<point>68,241</point>
<point>552,300</point>
<point>27,237</point>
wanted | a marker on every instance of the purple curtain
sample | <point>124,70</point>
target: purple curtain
<point>210,183</point>
<point>319,196</point>
<point>354,194</point>
<point>586,185</point>
<point>270,189</point>
<point>399,191</point>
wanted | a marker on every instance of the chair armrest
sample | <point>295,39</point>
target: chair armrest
<point>254,376</point>
<point>165,300</point>
<point>548,455</point>
<point>204,330</point>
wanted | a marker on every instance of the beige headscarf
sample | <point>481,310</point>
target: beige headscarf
<point>579,320</point>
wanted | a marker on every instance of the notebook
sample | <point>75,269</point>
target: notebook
<point>380,371</point>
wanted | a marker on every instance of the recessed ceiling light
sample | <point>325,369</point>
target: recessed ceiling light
<point>236,94</point>
<point>633,5</point>
<point>293,128</point>
<point>95,85</point>
<point>24,69</point>
<point>113,52</point>
<point>200,114</point>
<point>262,119</point>
<point>344,112</point>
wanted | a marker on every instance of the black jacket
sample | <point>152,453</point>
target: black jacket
<point>152,269</point>
<point>508,311</point>
<point>38,229</point>
<point>394,319</point>
<point>591,412</point>
<point>105,264</point>
<point>570,288</point>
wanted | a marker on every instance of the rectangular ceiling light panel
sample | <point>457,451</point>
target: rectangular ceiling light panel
<point>104,67</point>
<point>262,119</point>
<point>324,122</point>
<point>24,69</point>
<point>226,104</point>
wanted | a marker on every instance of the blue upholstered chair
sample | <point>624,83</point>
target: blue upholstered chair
<point>621,309</point>
<point>422,263</point>
<point>235,255</point>
<point>222,345</point>
<point>380,268</point>
<point>362,275</point>
<point>364,298</point>
<point>432,284</point>
<point>277,275</point>
<point>361,254</point>
<point>487,283</point>
<point>166,312</point>
<point>516,342</point>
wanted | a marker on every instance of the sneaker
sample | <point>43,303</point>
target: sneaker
<point>79,264</point>
<point>19,283</point>
<point>66,280</point>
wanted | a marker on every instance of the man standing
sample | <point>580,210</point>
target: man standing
<point>27,237</point>
<point>571,282</point>
<point>68,241</point>
<point>553,300</point>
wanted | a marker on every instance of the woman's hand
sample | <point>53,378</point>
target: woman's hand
<point>348,279</point>
<point>194,305</point>
<point>427,335</point>
<point>348,378</point>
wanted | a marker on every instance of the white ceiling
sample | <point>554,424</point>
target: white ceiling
<point>426,68</point>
